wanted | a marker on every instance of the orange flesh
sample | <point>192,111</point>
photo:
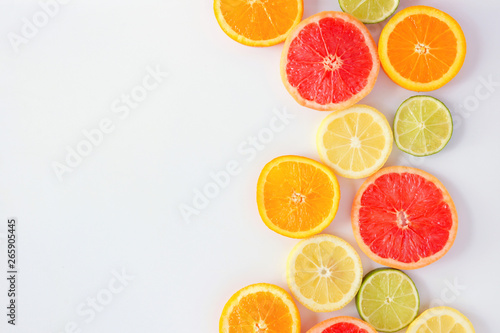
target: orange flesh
<point>274,17</point>
<point>422,48</point>
<point>298,196</point>
<point>260,312</point>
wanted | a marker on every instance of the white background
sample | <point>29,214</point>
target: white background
<point>119,209</point>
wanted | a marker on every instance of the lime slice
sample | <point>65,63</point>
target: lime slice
<point>422,126</point>
<point>388,300</point>
<point>369,11</point>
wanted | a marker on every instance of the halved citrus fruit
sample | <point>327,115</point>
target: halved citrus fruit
<point>329,61</point>
<point>324,273</point>
<point>441,319</point>
<point>369,11</point>
<point>297,197</point>
<point>422,48</point>
<point>355,142</point>
<point>422,126</point>
<point>342,324</point>
<point>258,22</point>
<point>388,299</point>
<point>260,307</point>
<point>404,218</point>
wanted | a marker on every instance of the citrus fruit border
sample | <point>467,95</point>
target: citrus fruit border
<point>313,260</point>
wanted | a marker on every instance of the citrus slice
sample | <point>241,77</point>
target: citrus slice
<point>388,300</point>
<point>257,22</point>
<point>422,126</point>
<point>342,324</point>
<point>324,273</point>
<point>369,11</point>
<point>297,197</point>
<point>260,307</point>
<point>404,218</point>
<point>441,319</point>
<point>355,142</point>
<point>329,61</point>
<point>422,48</point>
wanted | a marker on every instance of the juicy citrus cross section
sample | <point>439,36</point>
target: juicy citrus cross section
<point>355,142</point>
<point>258,22</point>
<point>324,272</point>
<point>388,299</point>
<point>297,196</point>
<point>422,126</point>
<point>369,11</point>
<point>422,48</point>
<point>260,307</point>
<point>441,319</point>
<point>329,61</point>
<point>404,218</point>
<point>342,324</point>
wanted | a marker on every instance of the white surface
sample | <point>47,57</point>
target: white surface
<point>120,207</point>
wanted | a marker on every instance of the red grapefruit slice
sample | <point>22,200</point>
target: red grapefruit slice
<point>329,61</point>
<point>404,218</point>
<point>342,324</point>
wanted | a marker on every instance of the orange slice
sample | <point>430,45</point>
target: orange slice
<point>260,307</point>
<point>422,48</point>
<point>258,22</point>
<point>297,197</point>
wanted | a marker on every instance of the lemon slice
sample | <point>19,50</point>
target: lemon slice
<point>324,273</point>
<point>422,126</point>
<point>441,319</point>
<point>369,11</point>
<point>355,142</point>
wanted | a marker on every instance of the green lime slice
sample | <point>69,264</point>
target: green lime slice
<point>422,126</point>
<point>369,11</point>
<point>388,300</point>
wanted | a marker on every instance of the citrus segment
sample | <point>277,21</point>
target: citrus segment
<point>324,273</point>
<point>369,11</point>
<point>422,126</point>
<point>329,61</point>
<point>342,324</point>
<point>404,218</point>
<point>297,197</point>
<point>258,308</point>
<point>258,22</point>
<point>422,48</point>
<point>388,300</point>
<point>355,142</point>
<point>441,319</point>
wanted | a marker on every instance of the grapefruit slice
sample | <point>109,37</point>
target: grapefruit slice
<point>342,324</point>
<point>404,218</point>
<point>329,61</point>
